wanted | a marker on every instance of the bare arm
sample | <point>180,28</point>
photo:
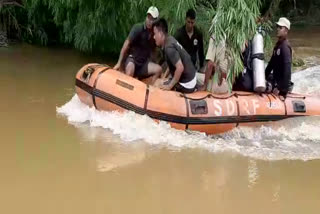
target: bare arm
<point>209,70</point>
<point>165,74</point>
<point>123,52</point>
<point>177,75</point>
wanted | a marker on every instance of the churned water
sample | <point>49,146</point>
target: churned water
<point>294,139</point>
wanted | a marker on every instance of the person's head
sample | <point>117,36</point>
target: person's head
<point>190,20</point>
<point>160,30</point>
<point>283,27</point>
<point>152,15</point>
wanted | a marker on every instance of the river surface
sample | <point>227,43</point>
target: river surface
<point>59,156</point>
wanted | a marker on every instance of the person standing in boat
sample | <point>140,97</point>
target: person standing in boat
<point>138,48</point>
<point>179,61</point>
<point>280,62</point>
<point>191,39</point>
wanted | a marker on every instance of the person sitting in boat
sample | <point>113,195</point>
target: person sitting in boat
<point>217,61</point>
<point>191,39</point>
<point>280,62</point>
<point>138,47</point>
<point>178,60</point>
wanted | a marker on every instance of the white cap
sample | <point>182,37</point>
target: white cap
<point>284,22</point>
<point>153,11</point>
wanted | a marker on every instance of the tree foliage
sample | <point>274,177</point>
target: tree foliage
<point>100,25</point>
<point>103,25</point>
<point>8,15</point>
<point>235,22</point>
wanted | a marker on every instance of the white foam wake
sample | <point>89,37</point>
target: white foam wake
<point>297,138</point>
<point>307,81</point>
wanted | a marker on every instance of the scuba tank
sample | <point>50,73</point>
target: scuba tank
<point>259,79</point>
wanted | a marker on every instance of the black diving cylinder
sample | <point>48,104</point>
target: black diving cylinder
<point>259,79</point>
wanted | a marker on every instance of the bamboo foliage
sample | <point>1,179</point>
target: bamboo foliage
<point>235,22</point>
<point>273,6</point>
<point>13,21</point>
<point>8,17</point>
<point>102,25</point>
<point>205,13</point>
<point>173,11</point>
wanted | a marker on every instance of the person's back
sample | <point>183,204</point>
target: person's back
<point>179,62</point>
<point>173,51</point>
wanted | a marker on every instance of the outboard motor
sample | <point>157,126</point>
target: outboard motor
<point>259,79</point>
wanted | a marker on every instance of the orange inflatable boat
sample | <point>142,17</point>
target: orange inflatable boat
<point>107,89</point>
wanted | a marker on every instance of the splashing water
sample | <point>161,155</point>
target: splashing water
<point>307,81</point>
<point>292,139</point>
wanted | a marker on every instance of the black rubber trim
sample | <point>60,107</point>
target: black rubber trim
<point>236,95</point>
<point>257,56</point>
<point>238,110</point>
<point>84,86</point>
<point>187,109</point>
<point>209,96</point>
<point>95,85</point>
<point>179,119</point>
<point>296,97</point>
<point>146,99</point>
<point>274,96</point>
<point>285,106</point>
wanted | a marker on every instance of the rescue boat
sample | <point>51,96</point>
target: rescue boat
<point>106,89</point>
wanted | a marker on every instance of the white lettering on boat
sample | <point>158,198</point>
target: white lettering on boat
<point>255,104</point>
<point>229,108</point>
<point>217,104</point>
<point>273,105</point>
<point>246,106</point>
<point>225,107</point>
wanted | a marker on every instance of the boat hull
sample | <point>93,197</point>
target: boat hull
<point>109,90</point>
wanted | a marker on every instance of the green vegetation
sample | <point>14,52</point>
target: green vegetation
<point>87,25</point>
<point>9,16</point>
<point>235,21</point>
<point>102,25</point>
<point>91,25</point>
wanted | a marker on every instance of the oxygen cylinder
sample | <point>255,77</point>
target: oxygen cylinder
<point>259,79</point>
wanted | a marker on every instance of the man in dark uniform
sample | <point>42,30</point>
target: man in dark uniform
<point>191,39</point>
<point>280,62</point>
<point>139,46</point>
<point>179,62</point>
